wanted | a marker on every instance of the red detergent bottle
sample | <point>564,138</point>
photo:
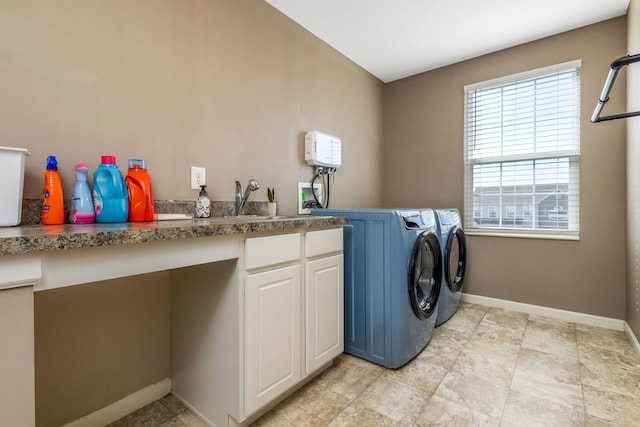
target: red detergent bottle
<point>141,206</point>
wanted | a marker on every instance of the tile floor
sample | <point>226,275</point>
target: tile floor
<point>484,367</point>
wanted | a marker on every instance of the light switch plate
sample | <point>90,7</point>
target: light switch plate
<point>198,177</point>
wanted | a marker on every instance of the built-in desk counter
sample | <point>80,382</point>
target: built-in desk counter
<point>49,257</point>
<point>38,238</point>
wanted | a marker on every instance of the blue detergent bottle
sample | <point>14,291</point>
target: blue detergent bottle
<point>82,210</point>
<point>110,196</point>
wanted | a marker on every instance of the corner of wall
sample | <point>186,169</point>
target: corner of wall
<point>632,316</point>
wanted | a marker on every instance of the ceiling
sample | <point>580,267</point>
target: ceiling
<point>393,39</point>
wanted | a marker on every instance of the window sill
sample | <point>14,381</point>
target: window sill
<point>575,236</point>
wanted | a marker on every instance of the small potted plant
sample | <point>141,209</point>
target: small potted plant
<point>272,206</point>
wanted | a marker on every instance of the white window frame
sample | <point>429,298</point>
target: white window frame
<point>471,227</point>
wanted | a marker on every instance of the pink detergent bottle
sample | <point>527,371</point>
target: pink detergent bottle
<point>82,203</point>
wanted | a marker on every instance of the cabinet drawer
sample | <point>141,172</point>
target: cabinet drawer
<point>323,242</point>
<point>271,250</point>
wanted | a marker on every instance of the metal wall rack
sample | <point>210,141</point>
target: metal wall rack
<point>608,85</point>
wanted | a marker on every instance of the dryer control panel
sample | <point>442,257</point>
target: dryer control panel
<point>418,219</point>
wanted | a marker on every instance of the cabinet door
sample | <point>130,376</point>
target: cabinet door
<point>272,347</point>
<point>324,311</point>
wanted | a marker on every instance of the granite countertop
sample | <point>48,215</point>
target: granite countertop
<point>34,238</point>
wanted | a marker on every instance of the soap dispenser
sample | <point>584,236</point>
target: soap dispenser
<point>203,204</point>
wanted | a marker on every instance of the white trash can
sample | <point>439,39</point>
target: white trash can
<point>11,184</point>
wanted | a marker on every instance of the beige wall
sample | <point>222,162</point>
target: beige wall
<point>633,172</point>
<point>230,85</point>
<point>424,167</point>
<point>98,343</point>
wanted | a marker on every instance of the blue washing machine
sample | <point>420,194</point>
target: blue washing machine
<point>454,258</point>
<point>393,274</point>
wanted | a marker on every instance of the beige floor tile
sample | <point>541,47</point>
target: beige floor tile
<point>610,406</point>
<point>478,307</point>
<point>173,422</point>
<point>561,368</point>
<point>502,326</point>
<point>466,319</point>
<point>373,367</point>
<point>271,419</point>
<point>599,356</point>
<point>525,410</point>
<point>564,374</point>
<point>173,404</point>
<point>611,379</point>
<point>398,401</point>
<point>357,414</point>
<point>541,386</point>
<point>444,348</point>
<point>418,373</point>
<point>591,421</point>
<point>474,393</point>
<point>512,313</point>
<point>441,412</point>
<point>609,370</point>
<point>550,337</point>
<point>493,361</point>
<point>548,376</point>
<point>312,405</point>
<point>350,376</point>
<point>153,414</point>
<point>605,339</point>
<point>189,419</point>
<point>551,321</point>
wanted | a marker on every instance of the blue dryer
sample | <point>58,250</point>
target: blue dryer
<point>393,274</point>
<point>454,255</point>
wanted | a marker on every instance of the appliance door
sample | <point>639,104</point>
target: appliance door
<point>455,259</point>
<point>425,273</point>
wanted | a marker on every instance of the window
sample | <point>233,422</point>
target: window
<point>510,211</point>
<point>522,153</point>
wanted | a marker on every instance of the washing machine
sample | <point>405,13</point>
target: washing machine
<point>393,274</point>
<point>454,257</point>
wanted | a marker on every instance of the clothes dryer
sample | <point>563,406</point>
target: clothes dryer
<point>454,258</point>
<point>393,274</point>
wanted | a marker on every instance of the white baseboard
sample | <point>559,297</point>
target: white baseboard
<point>569,316</point>
<point>632,337</point>
<point>124,406</point>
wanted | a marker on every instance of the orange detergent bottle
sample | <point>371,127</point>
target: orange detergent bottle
<point>138,181</point>
<point>53,201</point>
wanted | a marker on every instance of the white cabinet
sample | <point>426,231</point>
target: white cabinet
<point>272,334</point>
<point>324,311</point>
<point>292,327</point>
<point>273,317</point>
<point>324,297</point>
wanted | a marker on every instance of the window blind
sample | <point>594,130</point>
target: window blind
<point>522,152</point>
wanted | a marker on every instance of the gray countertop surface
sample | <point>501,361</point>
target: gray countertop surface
<point>37,238</point>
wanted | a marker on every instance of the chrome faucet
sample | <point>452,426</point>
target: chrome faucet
<point>242,196</point>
